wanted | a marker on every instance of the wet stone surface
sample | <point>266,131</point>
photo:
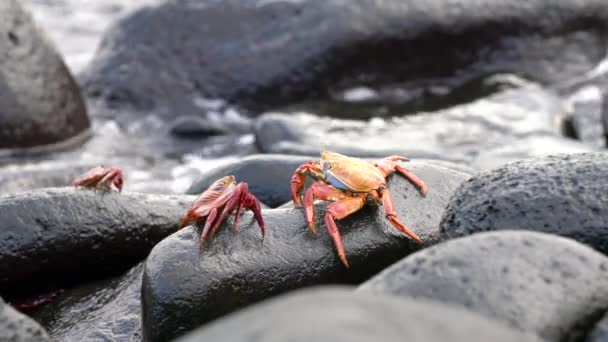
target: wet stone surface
<point>539,283</point>
<point>184,287</point>
<point>36,88</point>
<point>564,195</point>
<point>334,313</point>
<point>60,235</point>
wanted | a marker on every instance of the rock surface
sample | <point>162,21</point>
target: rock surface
<point>471,134</point>
<point>107,310</point>
<point>562,194</point>
<point>40,103</point>
<point>268,176</point>
<point>535,282</point>
<point>17,327</point>
<point>177,55</point>
<point>61,234</point>
<point>337,314</point>
<point>184,287</point>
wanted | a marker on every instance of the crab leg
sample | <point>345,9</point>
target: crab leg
<point>208,223</point>
<point>337,211</point>
<point>413,178</point>
<point>323,192</point>
<point>391,215</point>
<point>240,196</point>
<point>298,179</point>
<point>390,164</point>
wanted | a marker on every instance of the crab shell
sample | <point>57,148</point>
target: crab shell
<point>351,174</point>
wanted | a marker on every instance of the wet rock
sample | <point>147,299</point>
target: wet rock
<point>337,314</point>
<point>106,310</point>
<point>52,237</point>
<point>40,103</point>
<point>586,116</point>
<point>283,51</point>
<point>184,287</point>
<point>17,327</point>
<point>599,333</point>
<point>562,194</point>
<point>268,176</point>
<point>535,282</point>
<point>471,134</point>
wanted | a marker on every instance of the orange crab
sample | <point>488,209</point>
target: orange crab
<point>106,178</point>
<point>218,201</point>
<point>350,183</point>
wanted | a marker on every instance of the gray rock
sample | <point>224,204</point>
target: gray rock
<point>586,117</point>
<point>599,333</point>
<point>106,310</point>
<point>62,235</point>
<point>337,314</point>
<point>40,103</point>
<point>281,51</point>
<point>522,121</point>
<point>17,327</point>
<point>268,176</point>
<point>184,287</point>
<point>562,194</point>
<point>535,282</point>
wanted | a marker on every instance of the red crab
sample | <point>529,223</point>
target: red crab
<point>350,183</point>
<point>218,201</point>
<point>107,178</point>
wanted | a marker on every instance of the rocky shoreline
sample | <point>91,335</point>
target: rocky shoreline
<point>502,109</point>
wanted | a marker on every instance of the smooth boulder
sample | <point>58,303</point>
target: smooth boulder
<point>561,194</point>
<point>40,102</point>
<point>539,283</point>
<point>51,237</point>
<point>174,56</point>
<point>522,121</point>
<point>267,175</point>
<point>335,313</point>
<point>185,286</point>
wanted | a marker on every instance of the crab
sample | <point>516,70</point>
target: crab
<point>350,183</point>
<point>100,177</point>
<point>218,201</point>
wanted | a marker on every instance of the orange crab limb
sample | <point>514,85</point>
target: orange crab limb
<point>390,164</point>
<point>337,211</point>
<point>101,177</point>
<point>298,179</point>
<point>323,192</point>
<point>391,215</point>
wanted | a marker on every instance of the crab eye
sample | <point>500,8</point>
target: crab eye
<point>327,166</point>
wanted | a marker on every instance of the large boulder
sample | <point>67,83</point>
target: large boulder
<point>105,310</point>
<point>184,286</point>
<point>534,282</point>
<point>177,55</point>
<point>50,237</point>
<point>17,327</point>
<point>514,124</point>
<point>40,103</point>
<point>337,314</point>
<point>561,194</point>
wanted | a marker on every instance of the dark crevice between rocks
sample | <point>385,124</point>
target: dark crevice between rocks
<point>13,38</point>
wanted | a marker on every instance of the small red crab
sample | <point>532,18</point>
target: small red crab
<point>218,201</point>
<point>107,178</point>
<point>350,183</point>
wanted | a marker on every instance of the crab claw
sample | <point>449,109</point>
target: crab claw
<point>110,178</point>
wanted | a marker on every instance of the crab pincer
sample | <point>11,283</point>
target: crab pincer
<point>222,198</point>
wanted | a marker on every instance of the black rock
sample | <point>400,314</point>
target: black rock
<point>17,327</point>
<point>260,54</point>
<point>535,282</point>
<point>520,121</point>
<point>106,310</point>
<point>40,103</point>
<point>184,287</point>
<point>268,176</point>
<point>562,194</point>
<point>335,313</point>
<point>50,237</point>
